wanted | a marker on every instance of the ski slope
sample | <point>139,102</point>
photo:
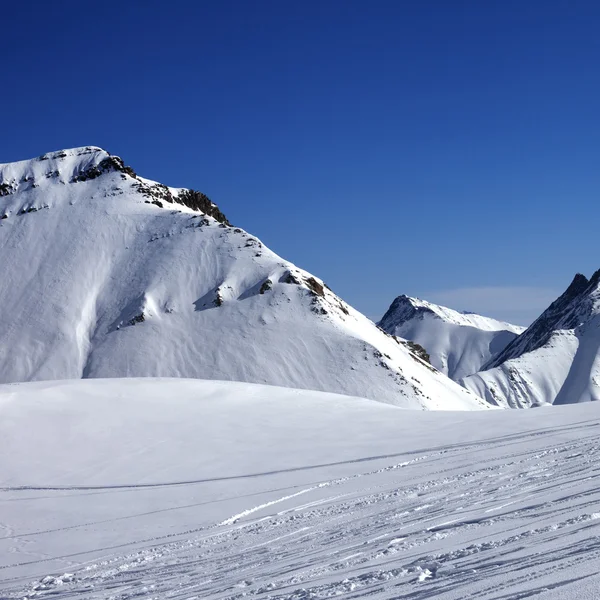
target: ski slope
<point>459,344</point>
<point>108,274</point>
<point>188,489</point>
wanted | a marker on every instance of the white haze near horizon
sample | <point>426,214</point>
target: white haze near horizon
<point>519,305</point>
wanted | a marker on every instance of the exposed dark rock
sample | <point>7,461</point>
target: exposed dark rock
<point>417,350</point>
<point>108,165</point>
<point>266,286</point>
<point>190,198</point>
<point>158,203</point>
<point>594,279</point>
<point>401,310</point>
<point>6,189</point>
<point>137,319</point>
<point>315,286</point>
<point>318,309</point>
<point>566,312</point>
<point>199,201</point>
<point>290,278</point>
<point>342,307</point>
<point>60,154</point>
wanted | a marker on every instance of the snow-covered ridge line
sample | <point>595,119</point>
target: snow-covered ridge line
<point>568,311</point>
<point>404,308</point>
<point>556,360</point>
<point>78,165</point>
<point>458,344</point>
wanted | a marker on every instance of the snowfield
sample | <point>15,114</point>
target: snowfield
<point>164,488</point>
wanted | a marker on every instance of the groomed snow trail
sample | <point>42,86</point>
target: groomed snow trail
<point>499,505</point>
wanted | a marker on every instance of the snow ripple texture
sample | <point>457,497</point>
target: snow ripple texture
<point>501,505</point>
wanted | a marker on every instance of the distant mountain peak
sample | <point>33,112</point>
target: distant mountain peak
<point>569,310</point>
<point>579,283</point>
<point>555,360</point>
<point>404,308</point>
<point>458,343</point>
<point>595,278</point>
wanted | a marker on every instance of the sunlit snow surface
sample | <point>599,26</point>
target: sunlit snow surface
<point>189,489</point>
<point>458,344</point>
<point>98,281</point>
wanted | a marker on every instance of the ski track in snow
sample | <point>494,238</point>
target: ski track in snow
<point>522,520</point>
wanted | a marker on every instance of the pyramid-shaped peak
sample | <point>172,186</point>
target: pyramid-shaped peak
<point>579,283</point>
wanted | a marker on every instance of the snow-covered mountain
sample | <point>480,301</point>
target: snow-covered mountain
<point>108,274</point>
<point>556,360</point>
<point>458,344</point>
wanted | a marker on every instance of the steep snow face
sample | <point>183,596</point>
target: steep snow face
<point>107,274</point>
<point>458,344</point>
<point>556,360</point>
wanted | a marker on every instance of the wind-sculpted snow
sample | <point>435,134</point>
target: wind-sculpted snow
<point>555,361</point>
<point>458,344</point>
<point>108,274</point>
<point>188,489</point>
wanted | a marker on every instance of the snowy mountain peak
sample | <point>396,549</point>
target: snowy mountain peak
<point>556,360</point>
<point>62,166</point>
<point>569,310</point>
<point>595,279</point>
<point>405,308</point>
<point>33,183</point>
<point>458,343</point>
<point>579,283</point>
<point>115,275</point>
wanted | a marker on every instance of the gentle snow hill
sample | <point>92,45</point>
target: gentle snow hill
<point>108,274</point>
<point>458,344</point>
<point>202,489</point>
<point>556,360</point>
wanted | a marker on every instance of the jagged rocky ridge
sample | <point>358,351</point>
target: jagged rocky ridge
<point>556,360</point>
<point>566,312</point>
<point>108,274</point>
<point>459,344</point>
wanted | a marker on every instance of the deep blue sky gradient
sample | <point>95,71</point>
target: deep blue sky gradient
<point>387,146</point>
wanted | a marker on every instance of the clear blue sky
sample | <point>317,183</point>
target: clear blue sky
<point>430,148</point>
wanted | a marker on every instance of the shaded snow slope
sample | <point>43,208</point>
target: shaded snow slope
<point>189,489</point>
<point>458,344</point>
<point>556,360</point>
<point>107,274</point>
